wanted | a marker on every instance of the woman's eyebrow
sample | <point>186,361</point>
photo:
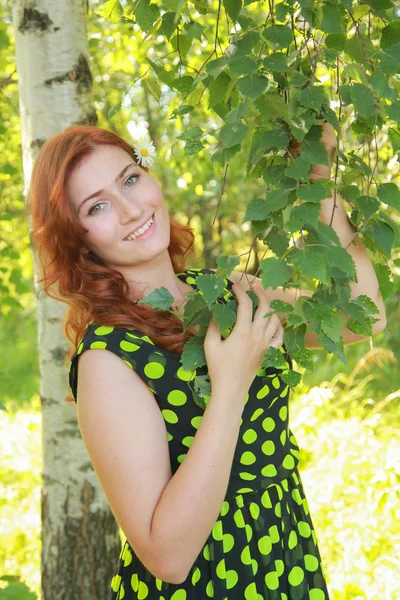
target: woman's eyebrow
<point>101,191</point>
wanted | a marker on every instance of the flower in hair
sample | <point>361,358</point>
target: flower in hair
<point>145,151</point>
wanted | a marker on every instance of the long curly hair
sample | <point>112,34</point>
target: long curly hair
<point>91,289</point>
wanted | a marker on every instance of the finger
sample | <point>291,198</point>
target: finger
<point>245,308</point>
<point>260,320</point>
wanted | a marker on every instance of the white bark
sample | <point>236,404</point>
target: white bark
<point>79,534</point>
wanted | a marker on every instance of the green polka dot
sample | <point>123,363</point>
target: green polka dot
<point>128,346</point>
<point>143,591</point>
<point>245,490</point>
<point>79,350</point>
<point>135,582</point>
<point>271,580</point>
<point>127,556</point>
<point>317,594</point>
<point>283,413</point>
<point>274,534</point>
<point>231,579</point>
<point>268,424</point>
<point>250,593</point>
<point>238,516</point>
<point>154,370</point>
<point>247,476</point>
<point>185,375</point>
<point>196,421</point>
<point>280,567</point>
<point>245,556</point>
<point>254,510</point>
<point>224,508</point>
<point>249,436</point>
<point>268,447</point>
<point>249,532</point>
<point>284,393</point>
<point>169,436</point>
<point>221,570</point>
<point>100,345</point>
<point>263,392</point>
<point>179,595</point>
<point>177,398</point>
<point>181,458</point>
<point>169,416</point>
<point>276,383</point>
<point>196,576</point>
<point>295,452</point>
<point>228,541</point>
<point>278,510</point>
<point>247,458</point>
<point>288,462</point>
<point>188,440</point>
<point>292,540</point>
<point>269,471</point>
<point>256,414</point>
<point>311,562</point>
<point>121,592</point>
<point>265,545</point>
<point>266,500</point>
<point>115,583</point>
<point>103,330</point>
<point>296,576</point>
<point>158,584</point>
<point>217,531</point>
<point>210,589</point>
<point>206,552</point>
<point>283,437</point>
<point>304,529</point>
<point>296,497</point>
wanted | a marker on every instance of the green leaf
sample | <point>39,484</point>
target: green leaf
<point>194,30</point>
<point>278,241</point>
<point>314,153</point>
<point>386,285</point>
<point>297,79</point>
<point>168,24</point>
<point>227,263</point>
<point>211,286</point>
<point>242,65</point>
<point>278,36</point>
<point>304,357</point>
<point>276,199</point>
<point>298,169</point>
<point>332,18</point>
<point>146,14</point>
<point>362,326</point>
<point>310,262</point>
<point>233,8</point>
<point>390,58</point>
<point>334,330</point>
<point>302,215</point>
<point>291,378</point>
<point>380,84</point>
<point>114,109</point>
<point>193,356</point>
<point>223,314</point>
<point>336,256</point>
<point>275,272</point>
<point>363,99</point>
<point>355,48</point>
<point>331,346</point>
<point>182,110</point>
<point>277,62</point>
<point>274,139</point>
<point>233,133</point>
<point>336,41</point>
<point>367,204</point>
<point>394,136</point>
<point>313,192</point>
<point>183,84</point>
<point>389,193</point>
<point>252,86</point>
<point>192,138</point>
<point>381,234</point>
<point>160,299</point>
<point>273,358</point>
<point>152,87</point>
<point>390,35</point>
<point>237,113</point>
<point>217,88</point>
<point>281,306</point>
<point>270,105</point>
<point>367,304</point>
<point>111,10</point>
<point>313,97</point>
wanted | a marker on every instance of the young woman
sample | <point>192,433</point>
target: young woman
<point>210,501</point>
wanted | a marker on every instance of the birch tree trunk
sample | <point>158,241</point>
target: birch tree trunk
<point>80,539</point>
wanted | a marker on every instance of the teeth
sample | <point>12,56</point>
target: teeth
<point>139,232</point>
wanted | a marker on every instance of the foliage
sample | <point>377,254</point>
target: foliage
<point>270,78</point>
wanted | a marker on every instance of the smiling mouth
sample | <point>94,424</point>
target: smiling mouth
<point>141,231</point>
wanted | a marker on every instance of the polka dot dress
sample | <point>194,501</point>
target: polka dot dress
<point>262,545</point>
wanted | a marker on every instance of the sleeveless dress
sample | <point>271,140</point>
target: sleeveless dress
<point>262,545</point>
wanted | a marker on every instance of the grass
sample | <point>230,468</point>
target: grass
<point>349,466</point>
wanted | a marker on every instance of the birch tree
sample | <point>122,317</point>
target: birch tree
<point>80,541</point>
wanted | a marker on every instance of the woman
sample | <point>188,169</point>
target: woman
<point>211,502</point>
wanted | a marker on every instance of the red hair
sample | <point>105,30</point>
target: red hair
<point>92,290</point>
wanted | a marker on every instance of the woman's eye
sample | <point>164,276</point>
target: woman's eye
<point>91,211</point>
<point>130,177</point>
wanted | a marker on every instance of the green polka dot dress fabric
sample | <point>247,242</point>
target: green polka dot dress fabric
<point>262,545</point>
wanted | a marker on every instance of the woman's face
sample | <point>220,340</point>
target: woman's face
<point>128,198</point>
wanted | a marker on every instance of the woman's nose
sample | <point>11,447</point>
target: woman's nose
<point>128,209</point>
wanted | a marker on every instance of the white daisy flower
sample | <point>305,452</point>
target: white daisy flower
<point>145,150</point>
